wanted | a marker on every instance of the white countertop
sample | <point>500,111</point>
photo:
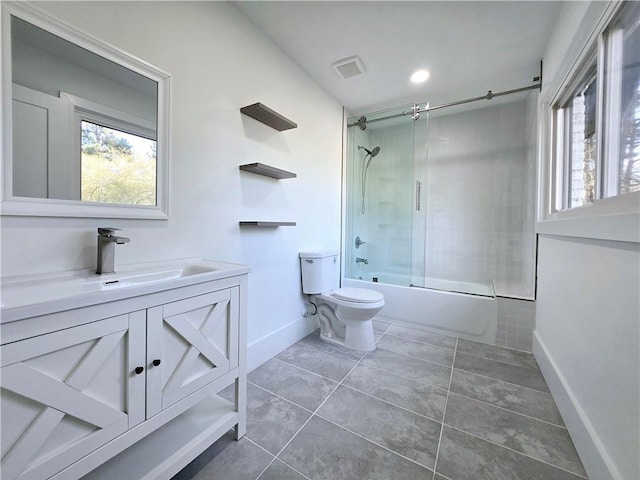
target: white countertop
<point>33,295</point>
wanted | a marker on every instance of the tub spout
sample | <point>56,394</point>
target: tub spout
<point>362,260</point>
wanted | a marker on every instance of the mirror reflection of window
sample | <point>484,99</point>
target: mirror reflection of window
<point>53,82</point>
<point>116,166</point>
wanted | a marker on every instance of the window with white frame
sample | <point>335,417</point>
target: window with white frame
<point>597,121</point>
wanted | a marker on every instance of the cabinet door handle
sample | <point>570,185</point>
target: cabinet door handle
<point>156,362</point>
<point>139,370</point>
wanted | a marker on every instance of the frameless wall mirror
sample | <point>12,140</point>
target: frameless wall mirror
<point>85,124</point>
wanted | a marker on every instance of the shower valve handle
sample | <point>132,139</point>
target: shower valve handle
<point>359,242</point>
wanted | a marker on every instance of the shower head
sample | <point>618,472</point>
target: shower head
<point>373,152</point>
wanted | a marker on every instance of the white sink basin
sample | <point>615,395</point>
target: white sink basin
<point>44,293</point>
<point>138,278</point>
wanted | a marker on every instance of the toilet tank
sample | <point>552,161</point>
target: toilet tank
<point>319,271</point>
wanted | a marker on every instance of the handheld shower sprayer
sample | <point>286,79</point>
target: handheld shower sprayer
<point>365,167</point>
<point>371,153</point>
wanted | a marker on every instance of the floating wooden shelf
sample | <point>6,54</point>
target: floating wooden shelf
<point>267,224</point>
<point>267,171</point>
<point>264,114</point>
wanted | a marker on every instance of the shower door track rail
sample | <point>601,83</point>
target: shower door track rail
<point>417,110</point>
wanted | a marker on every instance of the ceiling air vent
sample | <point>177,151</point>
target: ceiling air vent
<point>348,67</point>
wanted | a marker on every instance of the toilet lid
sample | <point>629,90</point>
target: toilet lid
<point>360,295</point>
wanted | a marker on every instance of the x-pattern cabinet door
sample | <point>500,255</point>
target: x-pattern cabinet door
<point>190,343</point>
<point>66,393</point>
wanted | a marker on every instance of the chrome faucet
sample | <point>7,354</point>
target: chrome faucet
<point>107,242</point>
<point>362,260</point>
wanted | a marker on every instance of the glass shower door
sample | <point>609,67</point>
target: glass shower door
<point>384,235</point>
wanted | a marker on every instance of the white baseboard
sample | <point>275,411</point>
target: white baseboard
<point>591,450</point>
<point>270,345</point>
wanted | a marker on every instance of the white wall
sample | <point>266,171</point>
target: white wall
<point>219,62</point>
<point>587,329</point>
<point>587,311</point>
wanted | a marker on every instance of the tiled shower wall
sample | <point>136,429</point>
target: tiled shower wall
<point>516,321</point>
<point>480,197</point>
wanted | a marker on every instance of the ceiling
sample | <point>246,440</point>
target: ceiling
<point>468,47</point>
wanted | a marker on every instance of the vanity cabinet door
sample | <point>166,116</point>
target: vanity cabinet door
<point>190,343</point>
<point>66,393</point>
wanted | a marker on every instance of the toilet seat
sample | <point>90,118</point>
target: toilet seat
<point>357,295</point>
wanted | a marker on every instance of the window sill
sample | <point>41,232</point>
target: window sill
<point>616,218</point>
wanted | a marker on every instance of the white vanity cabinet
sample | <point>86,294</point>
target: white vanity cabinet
<point>190,343</point>
<point>68,392</point>
<point>124,389</point>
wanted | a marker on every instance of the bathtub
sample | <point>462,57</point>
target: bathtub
<point>462,309</point>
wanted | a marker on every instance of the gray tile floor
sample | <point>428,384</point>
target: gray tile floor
<point>422,406</point>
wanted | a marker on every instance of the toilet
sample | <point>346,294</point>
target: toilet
<point>345,314</point>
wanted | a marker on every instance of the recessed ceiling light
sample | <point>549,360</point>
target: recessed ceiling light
<point>420,76</point>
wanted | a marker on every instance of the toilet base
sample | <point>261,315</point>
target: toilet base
<point>348,324</point>
<point>358,336</point>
